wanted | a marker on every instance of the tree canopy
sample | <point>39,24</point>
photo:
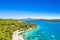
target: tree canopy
<point>8,26</point>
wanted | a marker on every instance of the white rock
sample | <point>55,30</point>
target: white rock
<point>52,36</point>
<point>16,35</point>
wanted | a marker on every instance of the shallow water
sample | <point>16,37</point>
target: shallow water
<point>46,30</point>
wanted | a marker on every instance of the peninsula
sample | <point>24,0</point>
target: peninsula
<point>9,27</point>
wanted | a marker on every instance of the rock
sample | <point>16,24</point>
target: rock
<point>52,36</point>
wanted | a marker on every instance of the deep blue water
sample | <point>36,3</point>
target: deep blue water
<point>46,30</point>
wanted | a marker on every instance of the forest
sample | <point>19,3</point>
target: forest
<point>8,26</point>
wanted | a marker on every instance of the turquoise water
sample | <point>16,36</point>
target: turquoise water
<point>46,30</point>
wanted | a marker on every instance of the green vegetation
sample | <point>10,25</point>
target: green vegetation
<point>8,26</point>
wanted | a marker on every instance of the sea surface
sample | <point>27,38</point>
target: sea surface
<point>46,30</point>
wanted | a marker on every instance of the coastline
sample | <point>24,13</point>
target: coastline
<point>17,35</point>
<point>28,32</point>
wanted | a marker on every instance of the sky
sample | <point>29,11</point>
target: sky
<point>20,9</point>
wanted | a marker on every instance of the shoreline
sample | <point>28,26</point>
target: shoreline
<point>17,35</point>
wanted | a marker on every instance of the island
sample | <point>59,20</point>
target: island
<point>9,27</point>
<point>51,20</point>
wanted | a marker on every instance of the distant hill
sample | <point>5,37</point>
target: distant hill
<point>54,20</point>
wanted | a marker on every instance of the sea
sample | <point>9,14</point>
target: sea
<point>46,30</point>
